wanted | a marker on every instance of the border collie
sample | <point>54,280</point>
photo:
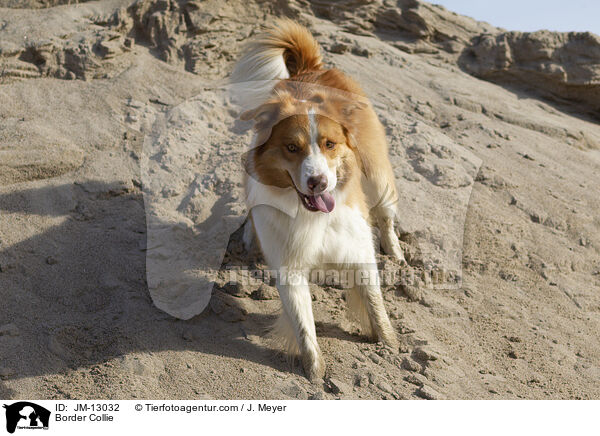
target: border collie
<point>317,176</point>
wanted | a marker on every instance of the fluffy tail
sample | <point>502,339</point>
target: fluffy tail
<point>283,51</point>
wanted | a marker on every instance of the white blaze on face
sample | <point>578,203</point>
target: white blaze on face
<point>314,131</point>
<point>315,163</point>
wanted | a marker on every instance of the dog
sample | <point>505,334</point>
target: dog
<point>317,174</point>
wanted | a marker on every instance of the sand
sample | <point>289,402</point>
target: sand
<point>120,181</point>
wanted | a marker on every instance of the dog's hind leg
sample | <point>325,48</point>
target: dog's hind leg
<point>381,192</point>
<point>297,323</point>
<point>379,183</point>
<point>248,237</point>
<point>388,239</point>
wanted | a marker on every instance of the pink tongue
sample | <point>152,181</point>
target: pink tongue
<point>324,202</point>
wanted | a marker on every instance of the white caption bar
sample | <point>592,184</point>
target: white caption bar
<point>298,417</point>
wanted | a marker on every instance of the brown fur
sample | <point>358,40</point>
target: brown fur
<point>271,163</point>
<point>301,51</point>
<point>346,119</point>
<point>336,96</point>
<point>352,124</point>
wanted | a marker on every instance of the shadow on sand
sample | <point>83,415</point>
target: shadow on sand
<point>77,292</point>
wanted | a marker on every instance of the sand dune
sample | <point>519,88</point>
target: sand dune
<point>120,176</point>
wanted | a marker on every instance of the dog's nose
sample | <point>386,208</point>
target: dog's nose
<point>317,184</point>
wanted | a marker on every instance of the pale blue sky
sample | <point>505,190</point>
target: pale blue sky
<point>531,15</point>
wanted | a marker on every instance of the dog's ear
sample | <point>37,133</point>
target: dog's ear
<point>348,110</point>
<point>352,109</point>
<point>351,142</point>
<point>349,113</point>
<point>261,114</point>
<point>343,106</point>
<point>265,117</point>
<point>317,98</point>
<point>352,118</point>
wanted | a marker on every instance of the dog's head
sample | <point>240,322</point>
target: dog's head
<point>305,142</point>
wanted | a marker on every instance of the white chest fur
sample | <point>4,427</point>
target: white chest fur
<point>310,239</point>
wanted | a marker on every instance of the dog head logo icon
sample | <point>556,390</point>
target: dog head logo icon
<point>26,415</point>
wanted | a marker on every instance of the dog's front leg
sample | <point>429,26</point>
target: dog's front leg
<point>355,251</point>
<point>371,294</point>
<point>365,303</point>
<point>297,306</point>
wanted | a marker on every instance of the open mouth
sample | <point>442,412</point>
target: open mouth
<point>323,202</point>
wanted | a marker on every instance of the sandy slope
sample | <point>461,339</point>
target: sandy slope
<point>505,174</point>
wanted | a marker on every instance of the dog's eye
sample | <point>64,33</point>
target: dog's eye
<point>330,145</point>
<point>292,148</point>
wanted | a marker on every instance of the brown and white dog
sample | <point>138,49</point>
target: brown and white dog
<point>319,151</point>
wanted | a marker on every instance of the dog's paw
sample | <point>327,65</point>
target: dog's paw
<point>388,336</point>
<point>391,341</point>
<point>391,247</point>
<point>314,367</point>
